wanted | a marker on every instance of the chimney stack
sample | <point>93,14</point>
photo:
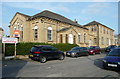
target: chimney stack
<point>75,21</point>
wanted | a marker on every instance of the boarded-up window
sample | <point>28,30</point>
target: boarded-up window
<point>61,38</point>
<point>66,38</point>
<point>74,39</point>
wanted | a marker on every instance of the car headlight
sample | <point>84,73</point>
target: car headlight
<point>91,51</point>
<point>119,63</point>
<point>73,53</point>
<point>104,61</point>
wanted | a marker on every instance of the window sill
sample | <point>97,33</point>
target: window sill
<point>50,40</point>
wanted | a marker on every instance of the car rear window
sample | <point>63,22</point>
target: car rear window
<point>34,49</point>
<point>115,52</point>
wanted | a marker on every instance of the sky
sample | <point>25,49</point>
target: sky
<point>84,12</point>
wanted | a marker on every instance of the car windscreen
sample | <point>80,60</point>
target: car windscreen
<point>34,49</point>
<point>83,48</point>
<point>115,52</point>
<point>92,47</point>
<point>112,47</point>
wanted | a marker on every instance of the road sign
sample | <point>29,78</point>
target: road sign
<point>9,40</point>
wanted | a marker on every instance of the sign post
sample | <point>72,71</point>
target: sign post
<point>11,41</point>
<point>15,50</point>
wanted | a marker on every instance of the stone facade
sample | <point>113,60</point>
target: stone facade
<point>49,27</point>
<point>100,35</point>
<point>1,33</point>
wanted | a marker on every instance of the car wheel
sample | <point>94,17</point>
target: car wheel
<point>104,67</point>
<point>73,55</point>
<point>61,57</point>
<point>93,53</point>
<point>77,55</point>
<point>99,52</point>
<point>43,59</point>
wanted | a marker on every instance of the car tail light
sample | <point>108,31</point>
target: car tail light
<point>37,52</point>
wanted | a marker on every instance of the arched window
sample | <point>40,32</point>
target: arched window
<point>79,37</point>
<point>49,33</point>
<point>66,38</point>
<point>61,38</point>
<point>35,32</point>
<point>74,39</point>
<point>15,28</point>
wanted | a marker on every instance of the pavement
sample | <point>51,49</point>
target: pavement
<point>85,66</point>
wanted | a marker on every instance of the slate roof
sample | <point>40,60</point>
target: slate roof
<point>95,23</point>
<point>55,16</point>
<point>1,29</point>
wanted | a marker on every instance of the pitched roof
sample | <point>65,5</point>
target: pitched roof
<point>55,16</point>
<point>20,14</point>
<point>23,14</point>
<point>1,29</point>
<point>95,23</point>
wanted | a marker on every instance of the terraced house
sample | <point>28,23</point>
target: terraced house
<point>49,27</point>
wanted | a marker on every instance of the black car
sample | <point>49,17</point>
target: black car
<point>112,60</point>
<point>109,48</point>
<point>44,52</point>
<point>77,51</point>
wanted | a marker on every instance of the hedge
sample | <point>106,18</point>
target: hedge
<point>24,48</point>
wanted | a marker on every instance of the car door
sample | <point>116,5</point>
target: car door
<point>54,52</point>
<point>97,50</point>
<point>80,51</point>
<point>46,51</point>
<point>85,51</point>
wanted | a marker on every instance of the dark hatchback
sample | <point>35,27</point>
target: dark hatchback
<point>109,48</point>
<point>77,51</point>
<point>44,52</point>
<point>112,60</point>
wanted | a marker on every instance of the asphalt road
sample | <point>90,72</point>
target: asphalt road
<point>85,66</point>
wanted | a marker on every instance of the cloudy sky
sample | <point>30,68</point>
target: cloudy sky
<point>85,12</point>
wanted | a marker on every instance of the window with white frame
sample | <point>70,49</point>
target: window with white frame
<point>49,33</point>
<point>35,33</point>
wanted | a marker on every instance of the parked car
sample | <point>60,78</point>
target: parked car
<point>77,51</point>
<point>44,52</point>
<point>112,60</point>
<point>94,50</point>
<point>109,48</point>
